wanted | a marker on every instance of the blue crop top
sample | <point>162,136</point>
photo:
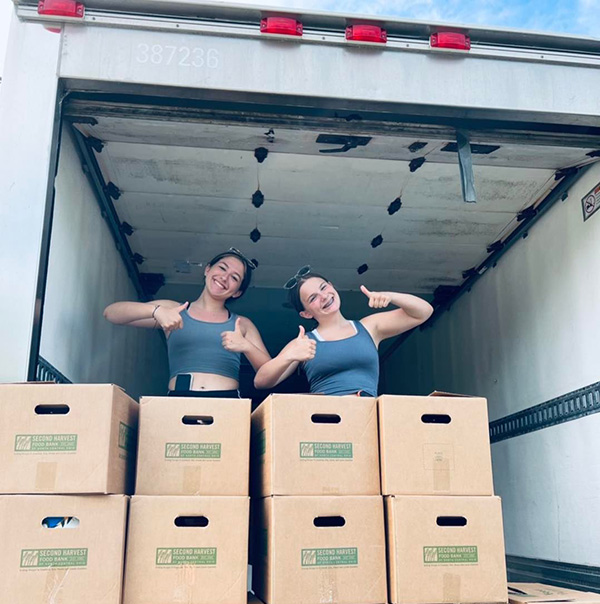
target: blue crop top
<point>198,348</point>
<point>344,366</point>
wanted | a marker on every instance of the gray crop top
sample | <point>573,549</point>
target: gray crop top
<point>198,348</point>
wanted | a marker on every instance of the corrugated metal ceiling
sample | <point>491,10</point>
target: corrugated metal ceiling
<point>187,189</point>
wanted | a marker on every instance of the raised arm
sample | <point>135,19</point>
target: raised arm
<point>246,338</point>
<point>163,314</point>
<point>276,370</point>
<point>412,311</point>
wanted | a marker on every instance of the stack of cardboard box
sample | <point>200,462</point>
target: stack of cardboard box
<point>318,512</point>
<point>319,527</point>
<point>66,462</point>
<point>189,518</point>
<point>444,526</point>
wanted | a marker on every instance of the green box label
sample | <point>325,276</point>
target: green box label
<point>450,554</point>
<point>127,437</point>
<point>193,450</point>
<point>186,556</point>
<point>325,450</point>
<point>54,558</point>
<point>338,556</point>
<point>45,443</point>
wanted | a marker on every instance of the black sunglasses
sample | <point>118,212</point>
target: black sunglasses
<point>302,272</point>
<point>236,252</point>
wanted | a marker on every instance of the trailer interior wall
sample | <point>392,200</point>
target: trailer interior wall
<point>528,332</point>
<point>85,274</point>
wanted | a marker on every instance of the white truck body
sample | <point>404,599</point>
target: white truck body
<point>181,93</point>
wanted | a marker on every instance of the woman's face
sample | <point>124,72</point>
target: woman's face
<point>224,278</point>
<point>319,298</point>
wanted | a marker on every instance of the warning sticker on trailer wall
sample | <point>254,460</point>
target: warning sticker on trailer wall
<point>590,203</point>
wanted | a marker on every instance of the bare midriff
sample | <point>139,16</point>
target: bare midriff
<point>209,381</point>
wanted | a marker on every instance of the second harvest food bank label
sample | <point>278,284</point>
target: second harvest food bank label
<point>45,443</point>
<point>330,556</point>
<point>54,558</point>
<point>323,450</point>
<point>186,556</point>
<point>192,450</point>
<point>450,554</point>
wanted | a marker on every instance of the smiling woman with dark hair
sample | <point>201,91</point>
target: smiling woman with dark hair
<point>204,339</point>
<point>340,356</point>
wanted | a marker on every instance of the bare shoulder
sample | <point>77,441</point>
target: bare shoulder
<point>370,324</point>
<point>246,323</point>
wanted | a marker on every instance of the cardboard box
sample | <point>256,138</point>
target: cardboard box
<point>298,562</point>
<point>297,450</point>
<point>67,438</point>
<point>171,560</point>
<point>82,562</point>
<point>193,446</point>
<point>445,549</point>
<point>532,593</point>
<point>434,445</point>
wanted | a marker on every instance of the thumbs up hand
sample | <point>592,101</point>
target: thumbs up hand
<point>235,341</point>
<point>376,299</point>
<point>169,319</point>
<point>301,348</point>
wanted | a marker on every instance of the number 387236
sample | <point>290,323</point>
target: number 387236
<point>183,56</point>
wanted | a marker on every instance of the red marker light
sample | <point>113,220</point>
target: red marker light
<point>281,25</point>
<point>61,8</point>
<point>366,33</point>
<point>450,39</point>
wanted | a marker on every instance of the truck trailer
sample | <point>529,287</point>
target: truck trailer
<point>457,163</point>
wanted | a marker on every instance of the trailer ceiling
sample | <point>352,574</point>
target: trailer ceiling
<point>186,188</point>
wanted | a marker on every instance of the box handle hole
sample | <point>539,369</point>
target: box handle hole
<point>451,521</point>
<point>329,521</point>
<point>60,522</point>
<point>436,418</point>
<point>52,409</point>
<point>198,420</point>
<point>200,521</point>
<point>325,418</point>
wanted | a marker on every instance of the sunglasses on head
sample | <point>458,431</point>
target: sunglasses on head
<point>302,272</point>
<point>247,260</point>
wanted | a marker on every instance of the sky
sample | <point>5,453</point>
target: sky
<point>578,17</point>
